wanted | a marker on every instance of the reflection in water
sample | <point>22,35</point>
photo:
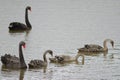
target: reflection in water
<point>22,72</point>
<point>15,71</point>
<point>16,32</point>
<point>42,68</point>
<point>26,35</point>
<point>80,22</point>
<point>105,54</point>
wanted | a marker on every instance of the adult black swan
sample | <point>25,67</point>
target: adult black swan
<point>17,26</point>
<point>14,62</point>
<point>96,48</point>
<point>40,63</point>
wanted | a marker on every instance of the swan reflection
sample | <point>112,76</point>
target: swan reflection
<point>13,73</point>
<point>22,73</point>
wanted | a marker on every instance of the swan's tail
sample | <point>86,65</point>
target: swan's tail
<point>4,58</point>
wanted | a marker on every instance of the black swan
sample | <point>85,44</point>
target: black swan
<point>96,48</point>
<point>66,58</point>
<point>40,63</point>
<point>20,26</point>
<point>14,62</point>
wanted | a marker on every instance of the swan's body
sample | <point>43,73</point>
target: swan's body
<point>14,62</point>
<point>17,26</point>
<point>40,63</point>
<point>66,58</point>
<point>96,48</point>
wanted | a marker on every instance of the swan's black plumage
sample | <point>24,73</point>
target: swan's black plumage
<point>36,63</point>
<point>17,26</point>
<point>14,62</point>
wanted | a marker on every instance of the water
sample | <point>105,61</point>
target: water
<point>62,26</point>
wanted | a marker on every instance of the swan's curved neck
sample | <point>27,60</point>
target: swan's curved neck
<point>105,45</point>
<point>22,61</point>
<point>27,20</point>
<point>44,57</point>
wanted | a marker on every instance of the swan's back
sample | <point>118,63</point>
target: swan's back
<point>91,48</point>
<point>17,26</point>
<point>36,64</point>
<point>10,61</point>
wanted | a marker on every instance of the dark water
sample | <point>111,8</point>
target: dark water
<point>63,26</point>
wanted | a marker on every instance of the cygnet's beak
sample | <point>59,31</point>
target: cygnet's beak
<point>112,44</point>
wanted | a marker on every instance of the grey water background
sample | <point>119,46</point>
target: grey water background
<point>63,26</point>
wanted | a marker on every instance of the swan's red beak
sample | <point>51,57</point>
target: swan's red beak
<point>24,46</point>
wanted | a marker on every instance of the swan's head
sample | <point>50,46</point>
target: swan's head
<point>28,8</point>
<point>112,43</point>
<point>50,52</point>
<point>22,43</point>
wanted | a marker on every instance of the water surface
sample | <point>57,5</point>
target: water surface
<point>63,26</point>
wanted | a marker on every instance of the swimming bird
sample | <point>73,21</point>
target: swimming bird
<point>17,26</point>
<point>66,58</point>
<point>36,63</point>
<point>14,62</point>
<point>96,48</point>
